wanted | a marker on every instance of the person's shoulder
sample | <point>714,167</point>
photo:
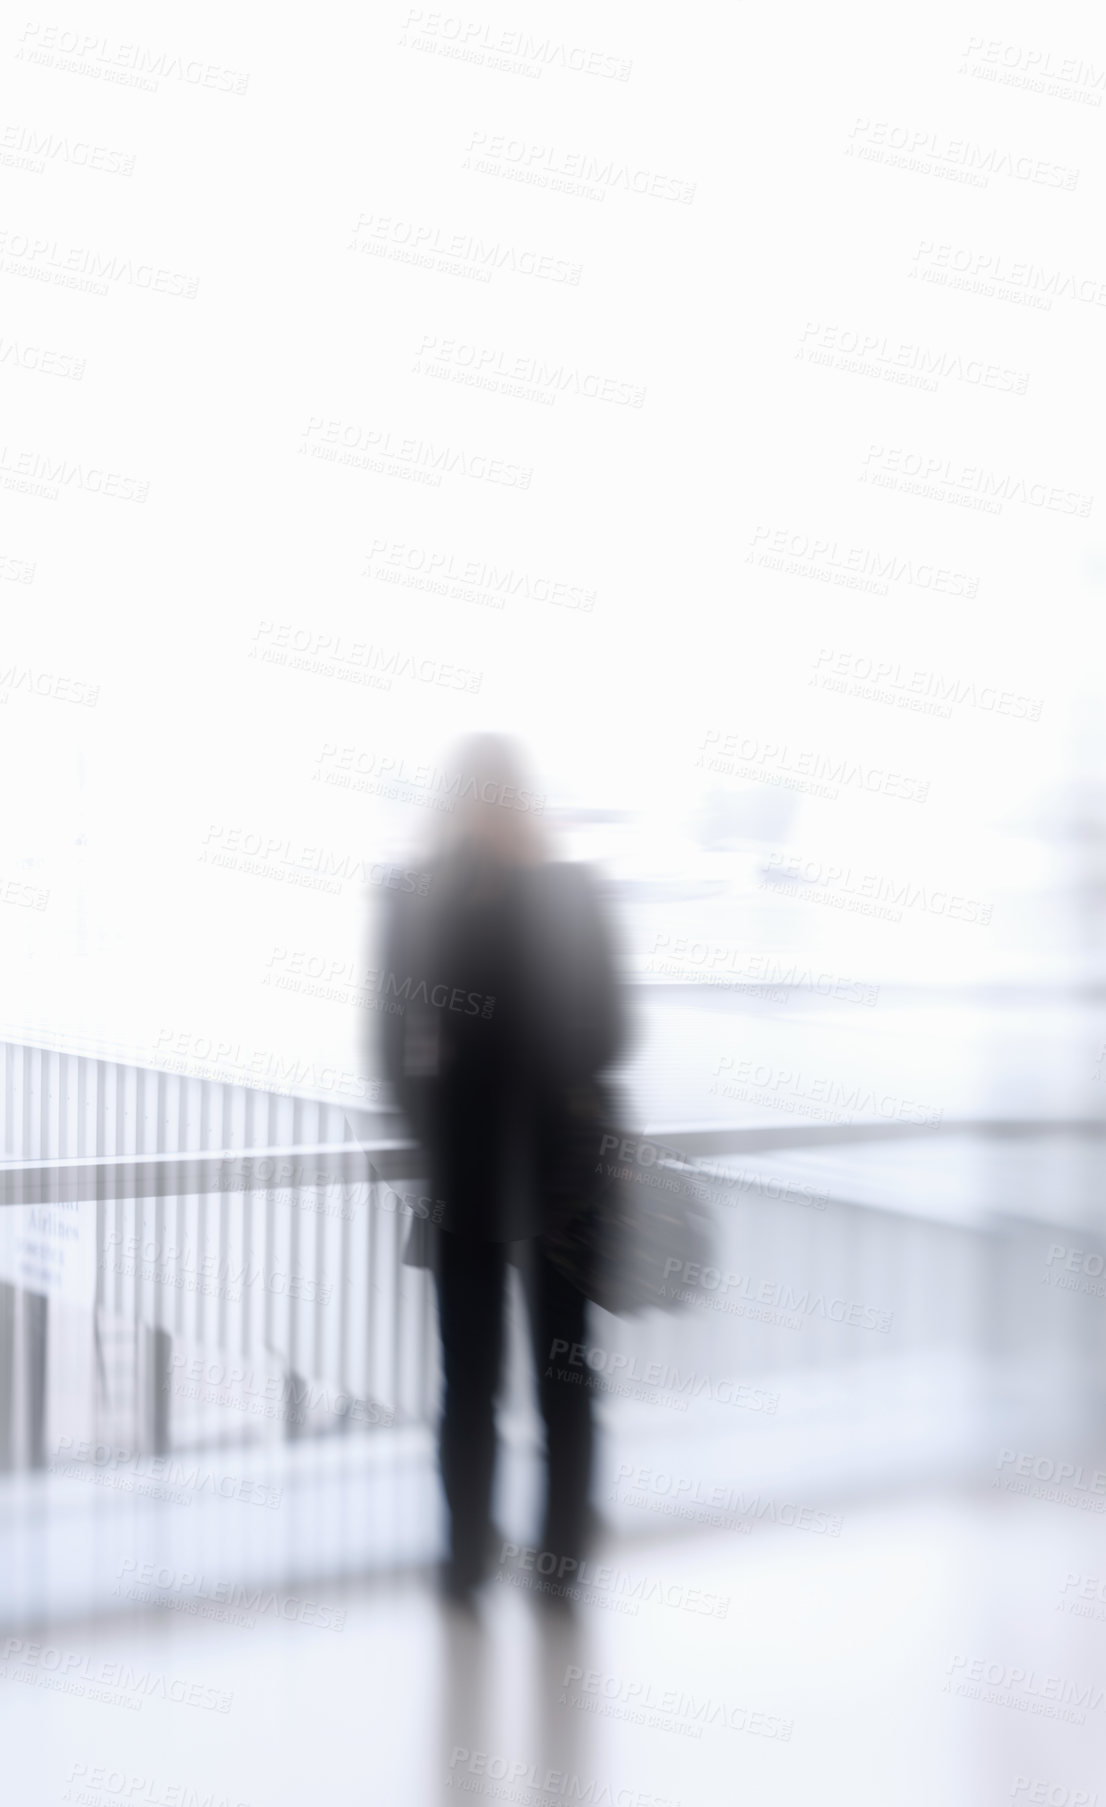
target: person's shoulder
<point>563,877</point>
<point>569,872</point>
<point>405,888</point>
<point>569,888</point>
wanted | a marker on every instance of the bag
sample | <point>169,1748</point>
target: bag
<point>620,1233</point>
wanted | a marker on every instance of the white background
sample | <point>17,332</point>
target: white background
<point>789,234</point>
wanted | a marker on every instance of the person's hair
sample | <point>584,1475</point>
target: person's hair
<point>493,803</point>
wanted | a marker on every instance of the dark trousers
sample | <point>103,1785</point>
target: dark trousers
<point>470,1280</point>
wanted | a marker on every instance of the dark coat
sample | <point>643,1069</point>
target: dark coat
<point>506,978</point>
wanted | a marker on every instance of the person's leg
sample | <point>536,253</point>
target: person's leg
<point>469,1279</point>
<point>558,1320</point>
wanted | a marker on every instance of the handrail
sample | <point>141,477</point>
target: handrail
<point>176,1174</point>
<point>73,1180</point>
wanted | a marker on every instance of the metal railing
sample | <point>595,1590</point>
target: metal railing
<point>236,1257</point>
<point>185,1214</point>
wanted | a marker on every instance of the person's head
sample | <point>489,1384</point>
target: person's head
<point>493,805</point>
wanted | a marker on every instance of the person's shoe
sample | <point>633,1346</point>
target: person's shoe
<point>579,1538</point>
<point>494,1546</point>
<point>457,1587</point>
<point>558,1600</point>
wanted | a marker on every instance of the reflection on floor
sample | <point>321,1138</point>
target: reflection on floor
<point>312,1513</point>
<point>946,1652</point>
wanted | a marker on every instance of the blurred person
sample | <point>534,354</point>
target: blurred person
<point>510,1004</point>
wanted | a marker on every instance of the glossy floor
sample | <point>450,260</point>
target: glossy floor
<point>943,1650</point>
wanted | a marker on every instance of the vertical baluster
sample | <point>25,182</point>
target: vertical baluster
<point>8,1377</point>
<point>251,1106</point>
<point>292,1321</point>
<point>372,1230</point>
<point>344,1281</point>
<point>318,1310</point>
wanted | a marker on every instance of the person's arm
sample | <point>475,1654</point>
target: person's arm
<point>604,1017</point>
<point>391,1027</point>
<point>388,1027</point>
<point>581,1021</point>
